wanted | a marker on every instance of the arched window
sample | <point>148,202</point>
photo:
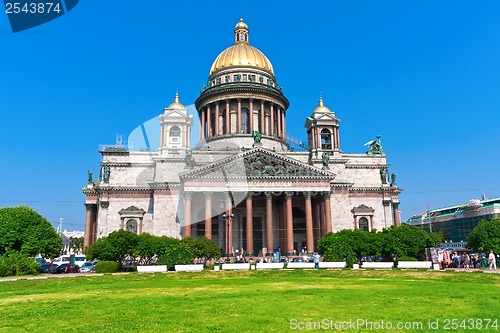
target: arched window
<point>363,224</point>
<point>131,226</point>
<point>175,131</point>
<point>245,116</point>
<point>326,139</point>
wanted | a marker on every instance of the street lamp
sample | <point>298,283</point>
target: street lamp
<point>60,226</point>
<point>228,218</point>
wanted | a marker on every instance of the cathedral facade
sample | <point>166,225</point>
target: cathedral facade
<point>242,185</point>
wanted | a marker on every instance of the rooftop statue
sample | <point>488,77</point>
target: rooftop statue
<point>393,178</point>
<point>89,175</point>
<point>383,175</point>
<point>188,158</point>
<point>375,147</point>
<point>325,158</point>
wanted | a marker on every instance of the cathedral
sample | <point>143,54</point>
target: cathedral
<point>243,184</point>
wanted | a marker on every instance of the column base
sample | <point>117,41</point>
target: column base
<point>289,253</point>
<point>249,254</point>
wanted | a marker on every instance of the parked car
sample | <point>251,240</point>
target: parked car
<point>45,267</point>
<point>87,267</point>
<point>63,268</point>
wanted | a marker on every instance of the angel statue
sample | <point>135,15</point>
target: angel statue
<point>257,136</point>
<point>375,147</point>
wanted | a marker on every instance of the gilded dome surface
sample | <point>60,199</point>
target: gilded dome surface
<point>176,104</point>
<point>241,53</point>
<point>321,108</point>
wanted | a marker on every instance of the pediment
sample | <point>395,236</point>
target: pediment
<point>259,163</point>
<point>363,209</point>
<point>325,116</point>
<point>132,209</point>
<point>175,113</point>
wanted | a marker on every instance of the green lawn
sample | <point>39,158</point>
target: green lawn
<point>264,301</point>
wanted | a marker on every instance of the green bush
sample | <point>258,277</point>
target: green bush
<point>106,267</point>
<point>17,264</point>
<point>407,259</point>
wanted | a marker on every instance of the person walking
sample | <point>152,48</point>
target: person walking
<point>492,260</point>
<point>466,261</point>
<point>316,260</point>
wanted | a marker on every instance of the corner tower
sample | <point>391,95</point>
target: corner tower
<point>323,131</point>
<point>175,128</point>
<point>242,96</point>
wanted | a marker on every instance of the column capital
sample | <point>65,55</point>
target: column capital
<point>89,206</point>
<point>327,194</point>
<point>208,194</point>
<point>395,204</point>
<point>249,195</point>
<point>268,195</point>
<point>386,202</point>
<point>187,195</point>
<point>307,194</point>
<point>288,194</point>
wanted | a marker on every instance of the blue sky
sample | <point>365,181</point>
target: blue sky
<point>424,75</point>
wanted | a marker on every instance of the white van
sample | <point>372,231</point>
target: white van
<point>80,259</point>
<point>61,260</point>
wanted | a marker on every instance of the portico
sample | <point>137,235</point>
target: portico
<point>269,196</point>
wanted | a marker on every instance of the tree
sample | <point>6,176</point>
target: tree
<point>337,247</point>
<point>146,248</point>
<point>203,247</point>
<point>118,245</point>
<point>23,230</point>
<point>408,241</point>
<point>485,236</point>
<point>175,252</point>
<point>76,243</point>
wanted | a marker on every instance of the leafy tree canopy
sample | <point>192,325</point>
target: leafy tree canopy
<point>485,236</point>
<point>25,231</point>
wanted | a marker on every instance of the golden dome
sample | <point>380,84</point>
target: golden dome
<point>176,104</point>
<point>241,53</point>
<point>241,25</point>
<point>321,108</point>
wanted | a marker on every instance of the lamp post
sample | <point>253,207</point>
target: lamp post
<point>60,225</point>
<point>228,219</point>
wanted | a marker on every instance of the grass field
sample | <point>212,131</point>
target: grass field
<point>263,301</point>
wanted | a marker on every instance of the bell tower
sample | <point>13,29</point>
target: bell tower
<point>323,131</point>
<point>175,129</point>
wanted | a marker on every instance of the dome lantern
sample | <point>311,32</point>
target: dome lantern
<point>241,53</point>
<point>241,32</point>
